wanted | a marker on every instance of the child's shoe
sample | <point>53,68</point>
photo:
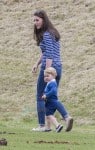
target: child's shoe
<point>59,128</point>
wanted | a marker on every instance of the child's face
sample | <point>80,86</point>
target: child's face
<point>48,77</point>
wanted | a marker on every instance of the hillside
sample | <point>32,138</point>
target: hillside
<point>75,21</point>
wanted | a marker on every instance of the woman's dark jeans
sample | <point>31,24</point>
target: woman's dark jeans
<point>40,89</point>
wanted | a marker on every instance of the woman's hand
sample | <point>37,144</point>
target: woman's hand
<point>34,69</point>
<point>48,63</point>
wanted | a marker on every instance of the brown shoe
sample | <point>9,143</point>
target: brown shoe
<point>69,124</point>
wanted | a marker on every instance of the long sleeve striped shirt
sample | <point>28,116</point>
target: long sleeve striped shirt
<point>50,49</point>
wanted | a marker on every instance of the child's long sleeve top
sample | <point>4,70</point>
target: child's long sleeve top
<point>51,91</point>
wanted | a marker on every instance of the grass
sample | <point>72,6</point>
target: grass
<point>20,137</point>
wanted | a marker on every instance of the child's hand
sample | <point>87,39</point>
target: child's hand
<point>44,97</point>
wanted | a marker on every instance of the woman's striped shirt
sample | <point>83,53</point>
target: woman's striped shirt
<point>50,49</point>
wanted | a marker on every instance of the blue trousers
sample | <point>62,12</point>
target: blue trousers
<point>40,89</point>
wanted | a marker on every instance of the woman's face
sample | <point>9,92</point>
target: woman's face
<point>38,22</point>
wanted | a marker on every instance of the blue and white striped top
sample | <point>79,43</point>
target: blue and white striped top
<point>50,49</point>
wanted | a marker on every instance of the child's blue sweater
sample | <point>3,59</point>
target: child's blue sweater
<point>51,91</point>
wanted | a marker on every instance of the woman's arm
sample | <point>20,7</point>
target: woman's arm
<point>35,67</point>
<point>49,49</point>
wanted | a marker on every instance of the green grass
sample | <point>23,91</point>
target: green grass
<point>20,137</point>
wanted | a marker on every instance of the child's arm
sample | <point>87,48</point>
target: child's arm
<point>52,91</point>
<point>44,97</point>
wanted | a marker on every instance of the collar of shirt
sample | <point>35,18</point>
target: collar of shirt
<point>51,81</point>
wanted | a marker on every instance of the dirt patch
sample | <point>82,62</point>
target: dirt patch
<point>56,142</point>
<point>7,132</point>
<point>3,142</point>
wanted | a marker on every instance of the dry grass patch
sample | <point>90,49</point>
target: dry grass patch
<point>75,20</point>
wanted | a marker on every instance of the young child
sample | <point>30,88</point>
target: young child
<point>52,103</point>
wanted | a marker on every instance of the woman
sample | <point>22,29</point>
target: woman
<point>48,38</point>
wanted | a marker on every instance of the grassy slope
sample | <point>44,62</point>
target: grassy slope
<point>75,20</point>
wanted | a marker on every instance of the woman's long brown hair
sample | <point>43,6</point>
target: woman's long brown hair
<point>47,26</point>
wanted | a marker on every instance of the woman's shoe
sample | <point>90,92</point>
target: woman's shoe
<point>69,124</point>
<point>39,129</point>
<point>48,130</point>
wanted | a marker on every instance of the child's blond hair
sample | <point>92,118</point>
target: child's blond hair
<point>51,71</point>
